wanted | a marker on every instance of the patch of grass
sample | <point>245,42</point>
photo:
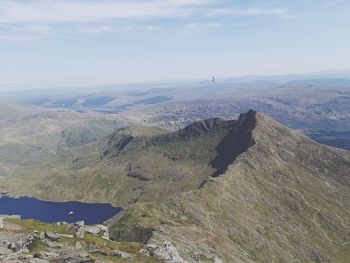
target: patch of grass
<point>35,225</point>
<point>136,259</point>
<point>205,259</point>
<point>122,246</point>
<point>37,246</point>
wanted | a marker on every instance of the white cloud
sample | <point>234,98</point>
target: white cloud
<point>141,27</point>
<point>40,16</point>
<point>15,39</point>
<point>31,19</point>
<point>247,12</point>
<point>96,29</point>
<point>36,29</point>
<point>54,11</point>
<point>202,25</point>
<point>39,29</point>
<point>8,82</point>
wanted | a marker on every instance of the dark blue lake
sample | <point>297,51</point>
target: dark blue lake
<point>50,212</point>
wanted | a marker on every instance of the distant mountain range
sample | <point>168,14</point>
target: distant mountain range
<point>316,103</point>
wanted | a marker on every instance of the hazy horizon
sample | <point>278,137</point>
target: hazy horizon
<point>83,43</point>
<point>325,74</point>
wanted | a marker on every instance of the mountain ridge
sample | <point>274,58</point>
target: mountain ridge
<point>284,199</point>
<point>146,160</point>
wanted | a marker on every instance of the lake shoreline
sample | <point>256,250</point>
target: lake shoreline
<point>60,200</point>
<point>49,211</point>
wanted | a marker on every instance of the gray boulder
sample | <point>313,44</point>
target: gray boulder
<point>99,230</point>
<point>38,260</point>
<point>21,243</point>
<point>78,229</point>
<point>52,236</point>
<point>16,258</point>
<point>145,252</point>
<point>73,257</point>
<point>45,255</point>
<point>122,254</point>
<point>5,251</point>
<point>166,251</point>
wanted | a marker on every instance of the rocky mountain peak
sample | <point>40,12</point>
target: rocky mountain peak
<point>205,126</point>
<point>271,185</point>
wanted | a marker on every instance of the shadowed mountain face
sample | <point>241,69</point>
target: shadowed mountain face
<point>237,141</point>
<point>283,199</point>
<point>138,163</point>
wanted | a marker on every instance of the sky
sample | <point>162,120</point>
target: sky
<point>51,43</point>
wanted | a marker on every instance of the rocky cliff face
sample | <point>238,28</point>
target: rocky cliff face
<point>284,198</point>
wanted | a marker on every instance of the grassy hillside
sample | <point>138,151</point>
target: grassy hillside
<point>285,199</point>
<point>33,134</point>
<point>133,164</point>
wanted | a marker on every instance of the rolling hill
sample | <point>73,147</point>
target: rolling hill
<point>34,134</point>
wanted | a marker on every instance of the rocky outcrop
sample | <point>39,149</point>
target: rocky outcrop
<point>236,142</point>
<point>72,256</point>
<point>134,234</point>
<point>99,230</point>
<point>22,243</point>
<point>78,229</point>
<point>206,126</point>
<point>122,254</point>
<point>116,143</point>
<point>4,251</point>
<point>52,236</point>
<point>166,251</point>
<point>64,243</point>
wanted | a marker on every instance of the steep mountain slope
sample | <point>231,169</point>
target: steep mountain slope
<point>134,164</point>
<point>283,199</point>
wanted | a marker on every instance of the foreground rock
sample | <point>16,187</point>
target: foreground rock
<point>99,230</point>
<point>167,252</point>
<point>78,229</point>
<point>64,243</point>
<point>23,243</point>
<point>73,257</point>
<point>4,251</point>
